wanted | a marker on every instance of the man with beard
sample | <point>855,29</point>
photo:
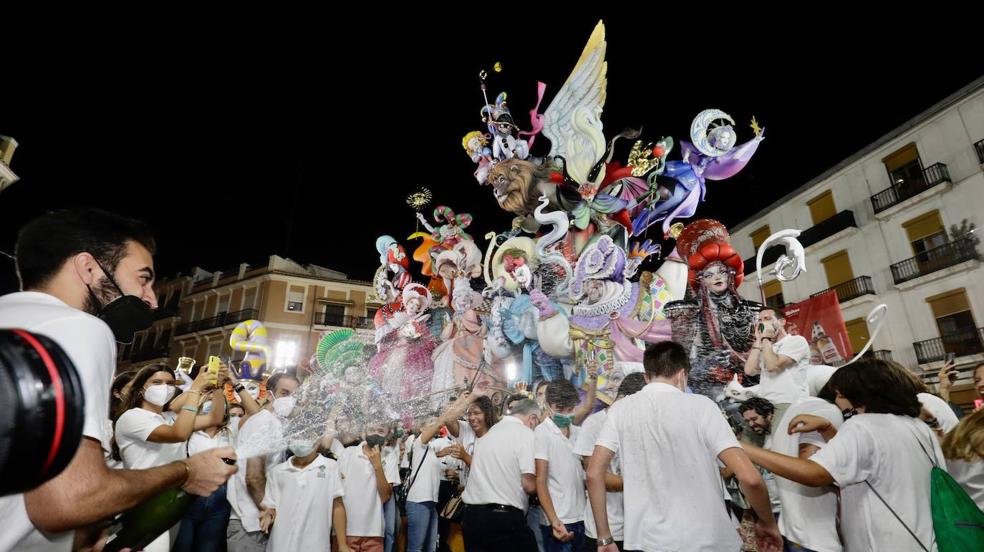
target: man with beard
<point>809,515</point>
<point>87,277</point>
<point>780,359</point>
<point>758,413</point>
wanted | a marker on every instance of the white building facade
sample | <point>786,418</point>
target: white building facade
<point>879,228</point>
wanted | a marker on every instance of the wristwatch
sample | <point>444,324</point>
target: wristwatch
<point>239,387</point>
<point>605,541</point>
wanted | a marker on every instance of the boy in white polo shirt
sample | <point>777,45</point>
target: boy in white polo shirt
<point>303,501</point>
<point>559,474</point>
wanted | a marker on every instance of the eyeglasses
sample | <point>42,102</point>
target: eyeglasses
<point>707,275</point>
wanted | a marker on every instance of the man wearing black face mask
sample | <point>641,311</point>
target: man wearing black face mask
<point>87,278</point>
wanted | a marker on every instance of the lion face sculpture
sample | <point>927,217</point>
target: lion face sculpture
<point>514,184</point>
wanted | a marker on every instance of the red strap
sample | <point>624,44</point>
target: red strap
<point>56,383</point>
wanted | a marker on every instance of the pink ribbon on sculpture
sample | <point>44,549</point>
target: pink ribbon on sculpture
<point>536,119</point>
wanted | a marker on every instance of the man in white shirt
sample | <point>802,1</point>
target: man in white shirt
<point>88,277</point>
<point>501,479</point>
<point>559,474</point>
<point>780,358</point>
<point>670,444</point>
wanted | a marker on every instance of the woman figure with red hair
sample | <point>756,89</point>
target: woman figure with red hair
<point>713,322</point>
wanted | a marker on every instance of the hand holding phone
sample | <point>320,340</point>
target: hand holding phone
<point>951,373</point>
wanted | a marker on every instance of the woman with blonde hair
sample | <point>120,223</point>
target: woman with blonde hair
<point>964,451</point>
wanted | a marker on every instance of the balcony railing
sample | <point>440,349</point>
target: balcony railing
<point>344,321</point>
<point>932,175</point>
<point>962,342</point>
<point>882,354</point>
<point>931,260</point>
<point>219,321</point>
<point>851,289</point>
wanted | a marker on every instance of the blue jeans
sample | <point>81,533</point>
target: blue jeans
<point>574,545</point>
<point>533,521</point>
<point>204,524</point>
<point>391,522</point>
<point>790,546</point>
<point>421,526</point>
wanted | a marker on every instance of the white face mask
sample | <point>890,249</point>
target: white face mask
<point>158,395</point>
<point>301,447</point>
<point>234,421</point>
<point>284,406</point>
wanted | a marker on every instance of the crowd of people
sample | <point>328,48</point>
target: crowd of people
<point>817,459</point>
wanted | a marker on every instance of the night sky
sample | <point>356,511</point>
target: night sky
<point>235,144</point>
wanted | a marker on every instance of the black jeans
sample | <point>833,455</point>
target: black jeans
<point>495,530</point>
<point>444,526</point>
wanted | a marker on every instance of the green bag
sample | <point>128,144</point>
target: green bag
<point>957,521</point>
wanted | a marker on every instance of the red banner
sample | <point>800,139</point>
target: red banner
<point>820,321</point>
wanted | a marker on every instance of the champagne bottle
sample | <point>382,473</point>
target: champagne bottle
<point>140,525</point>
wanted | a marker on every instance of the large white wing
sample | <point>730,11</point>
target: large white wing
<point>572,123</point>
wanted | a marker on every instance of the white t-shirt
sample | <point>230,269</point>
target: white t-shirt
<point>89,342</point>
<point>426,477</point>
<point>809,514</point>
<point>466,437</point>
<point>884,450</point>
<point>584,446</point>
<point>817,376</point>
<point>970,475</point>
<point>132,430</point>
<point>499,460</point>
<point>447,461</point>
<point>940,410</point>
<point>788,384</point>
<point>200,441</point>
<point>363,507</point>
<point>390,456</point>
<point>260,435</point>
<point>303,498</point>
<point>669,443</point>
<point>407,447</point>
<point>565,480</point>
